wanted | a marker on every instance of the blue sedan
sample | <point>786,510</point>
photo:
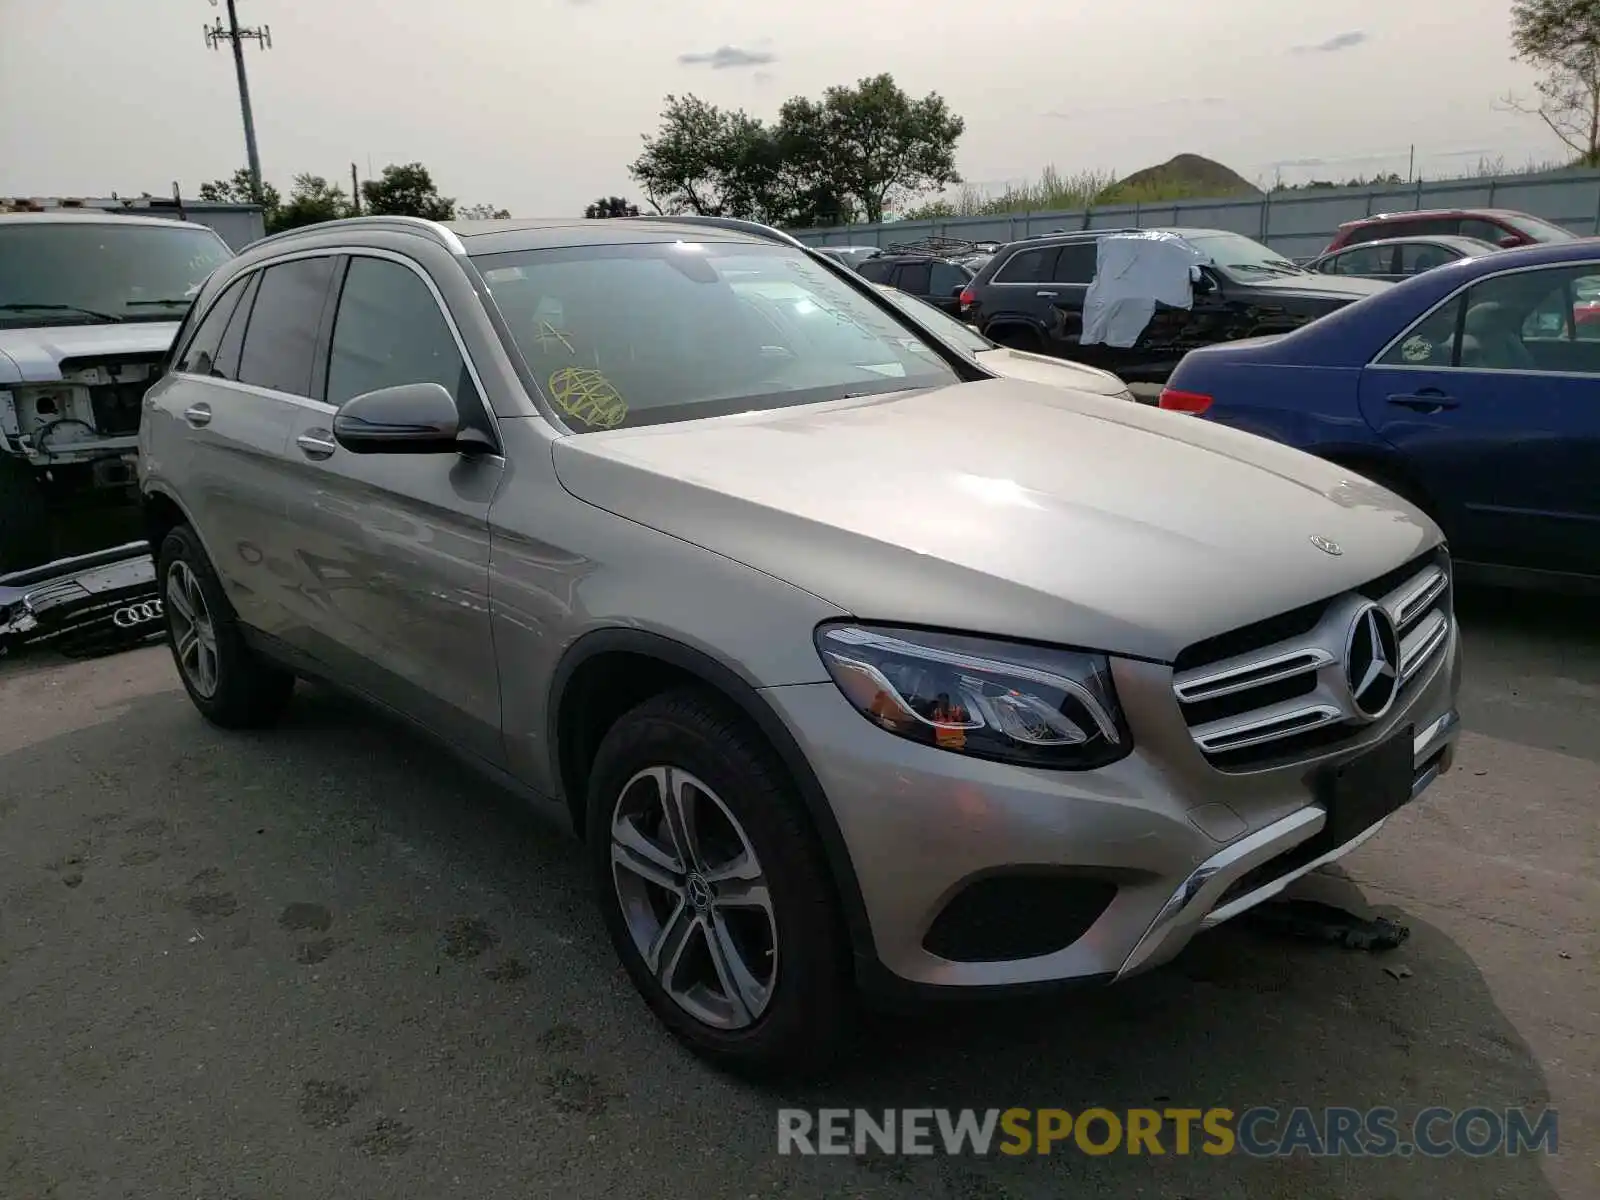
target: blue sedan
<point>1472,390</point>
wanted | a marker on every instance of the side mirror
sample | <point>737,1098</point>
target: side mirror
<point>412,418</point>
<point>958,289</point>
<point>1509,241</point>
<point>1200,282</point>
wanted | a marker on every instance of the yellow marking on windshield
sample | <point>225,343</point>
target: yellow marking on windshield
<point>588,396</point>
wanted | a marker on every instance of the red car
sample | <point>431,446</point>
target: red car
<point>1498,226</point>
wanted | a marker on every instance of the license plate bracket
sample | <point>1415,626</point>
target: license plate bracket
<point>1358,794</point>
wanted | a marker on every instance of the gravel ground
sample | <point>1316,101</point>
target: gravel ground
<point>328,961</point>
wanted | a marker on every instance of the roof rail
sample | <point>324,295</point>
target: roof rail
<point>433,229</point>
<point>735,224</point>
<point>942,247</point>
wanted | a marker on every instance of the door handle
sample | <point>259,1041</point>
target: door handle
<point>198,414</point>
<point>1051,294</point>
<point>316,443</point>
<point>1428,401</point>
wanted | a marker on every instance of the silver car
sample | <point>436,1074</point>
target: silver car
<point>854,665</point>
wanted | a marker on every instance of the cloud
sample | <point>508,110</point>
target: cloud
<point>1339,41</point>
<point>762,77</point>
<point>1300,162</point>
<point>724,57</point>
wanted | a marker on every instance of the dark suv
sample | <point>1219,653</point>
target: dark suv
<point>937,270</point>
<point>1030,296</point>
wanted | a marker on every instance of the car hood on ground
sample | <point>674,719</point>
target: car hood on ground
<point>35,355</point>
<point>1038,368</point>
<point>1008,508</point>
<point>1318,287</point>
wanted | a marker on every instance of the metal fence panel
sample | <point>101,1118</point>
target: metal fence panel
<point>1297,224</point>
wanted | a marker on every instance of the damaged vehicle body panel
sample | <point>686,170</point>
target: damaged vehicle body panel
<point>89,305</point>
<point>89,604</point>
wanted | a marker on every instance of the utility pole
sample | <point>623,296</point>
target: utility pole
<point>215,36</point>
<point>355,192</point>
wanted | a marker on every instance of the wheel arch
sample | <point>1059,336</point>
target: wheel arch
<point>605,655</point>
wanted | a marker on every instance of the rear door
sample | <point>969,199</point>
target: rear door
<point>392,565</point>
<point>1023,291</point>
<point>236,390</point>
<point>945,284</point>
<point>1494,402</point>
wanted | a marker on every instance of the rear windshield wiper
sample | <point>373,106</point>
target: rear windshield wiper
<point>185,301</point>
<point>65,308</point>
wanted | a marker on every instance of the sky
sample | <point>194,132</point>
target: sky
<point>538,105</point>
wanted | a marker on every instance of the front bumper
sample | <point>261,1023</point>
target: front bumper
<point>1178,845</point>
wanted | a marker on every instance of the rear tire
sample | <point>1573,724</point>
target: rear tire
<point>231,685</point>
<point>25,539</point>
<point>748,969</point>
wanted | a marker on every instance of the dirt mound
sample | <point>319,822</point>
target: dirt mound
<point>1186,176</point>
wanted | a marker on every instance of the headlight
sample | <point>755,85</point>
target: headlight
<point>998,700</point>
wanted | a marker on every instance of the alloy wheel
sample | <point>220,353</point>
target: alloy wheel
<point>194,635</point>
<point>694,897</point>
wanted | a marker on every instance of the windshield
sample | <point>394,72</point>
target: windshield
<point>80,274</point>
<point>937,322</point>
<point>622,336</point>
<point>1540,231</point>
<point>1241,257</point>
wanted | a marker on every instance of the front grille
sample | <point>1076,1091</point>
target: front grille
<point>1275,691</point>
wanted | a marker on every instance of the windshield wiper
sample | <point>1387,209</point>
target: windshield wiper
<point>66,308</point>
<point>167,302</point>
<point>1265,269</point>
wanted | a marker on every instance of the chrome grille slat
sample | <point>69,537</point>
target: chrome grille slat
<point>1264,725</point>
<point>1247,671</point>
<point>1408,603</point>
<point>1418,646</point>
<point>1289,696</point>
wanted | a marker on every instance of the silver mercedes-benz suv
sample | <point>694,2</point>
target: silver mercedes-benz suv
<point>854,665</point>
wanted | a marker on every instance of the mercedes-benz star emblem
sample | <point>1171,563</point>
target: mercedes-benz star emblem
<point>1372,662</point>
<point>1326,545</point>
<point>699,893</point>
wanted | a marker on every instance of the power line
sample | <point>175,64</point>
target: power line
<point>233,34</point>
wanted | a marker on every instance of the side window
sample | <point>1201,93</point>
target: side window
<point>875,270</point>
<point>1030,266</point>
<point>1417,257</point>
<point>1486,231</point>
<point>227,364</point>
<point>1076,263</point>
<point>1368,260</point>
<point>948,279</point>
<point>913,278</point>
<point>390,331</point>
<point>1431,342</point>
<point>280,342</point>
<point>200,355</point>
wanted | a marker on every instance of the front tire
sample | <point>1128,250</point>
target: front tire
<point>714,888</point>
<point>231,685</point>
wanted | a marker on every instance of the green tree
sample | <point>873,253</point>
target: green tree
<point>312,200</point>
<point>482,212</point>
<point>610,206</point>
<point>236,190</point>
<point>406,191</point>
<point>874,144</point>
<point>1561,39</point>
<point>707,161</point>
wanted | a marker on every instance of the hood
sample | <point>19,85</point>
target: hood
<point>1039,368</point>
<point>35,355</point>
<point>1008,508</point>
<point>1313,286</point>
